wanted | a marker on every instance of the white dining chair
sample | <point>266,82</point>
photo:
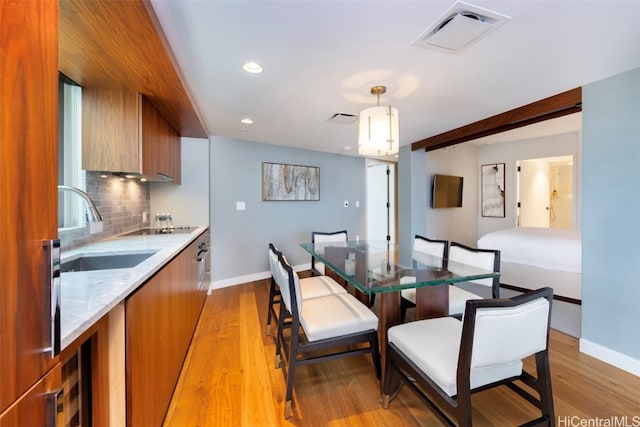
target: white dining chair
<point>311,287</point>
<point>445,360</point>
<point>320,238</point>
<point>321,329</point>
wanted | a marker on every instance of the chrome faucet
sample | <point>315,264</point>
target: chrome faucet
<point>92,213</point>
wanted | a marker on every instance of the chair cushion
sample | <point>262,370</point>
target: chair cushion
<point>282,279</point>
<point>409,294</point>
<point>458,299</point>
<point>434,344</point>
<point>320,286</point>
<point>319,267</point>
<point>335,315</point>
<point>523,327</point>
<point>460,257</point>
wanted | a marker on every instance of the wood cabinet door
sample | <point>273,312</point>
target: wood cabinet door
<point>28,189</point>
<point>38,406</point>
<point>160,321</point>
<point>151,136</point>
<point>110,132</point>
<point>159,144</point>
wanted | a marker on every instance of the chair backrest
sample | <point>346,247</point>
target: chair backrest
<point>431,248</point>
<point>486,259</point>
<point>273,261</point>
<point>319,237</point>
<point>289,286</point>
<point>502,331</point>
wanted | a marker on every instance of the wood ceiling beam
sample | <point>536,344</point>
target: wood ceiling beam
<point>564,103</point>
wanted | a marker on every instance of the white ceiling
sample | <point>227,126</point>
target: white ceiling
<point>322,58</point>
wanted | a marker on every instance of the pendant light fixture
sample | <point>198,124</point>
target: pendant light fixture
<point>378,128</point>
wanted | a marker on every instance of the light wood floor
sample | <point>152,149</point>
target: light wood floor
<point>229,379</point>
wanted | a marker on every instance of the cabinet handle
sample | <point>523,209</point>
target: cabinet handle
<point>56,411</point>
<point>52,265</point>
<point>202,255</point>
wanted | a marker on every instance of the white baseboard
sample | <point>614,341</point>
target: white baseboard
<point>611,357</point>
<point>239,280</point>
<point>233,281</point>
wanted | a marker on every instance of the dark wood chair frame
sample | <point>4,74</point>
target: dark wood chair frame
<point>298,351</point>
<point>405,304</point>
<point>460,405</point>
<point>314,271</point>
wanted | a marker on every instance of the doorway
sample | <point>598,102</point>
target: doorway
<point>381,200</point>
<point>545,189</point>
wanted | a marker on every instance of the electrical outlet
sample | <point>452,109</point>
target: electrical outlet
<point>346,203</point>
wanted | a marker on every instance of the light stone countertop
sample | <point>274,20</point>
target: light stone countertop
<point>88,295</point>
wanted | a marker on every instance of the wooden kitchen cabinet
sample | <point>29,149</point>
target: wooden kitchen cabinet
<point>160,319</point>
<point>28,202</point>
<point>36,407</point>
<point>123,132</point>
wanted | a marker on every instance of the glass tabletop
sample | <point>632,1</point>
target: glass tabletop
<point>370,266</point>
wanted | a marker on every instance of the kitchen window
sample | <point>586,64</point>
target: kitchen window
<point>70,207</point>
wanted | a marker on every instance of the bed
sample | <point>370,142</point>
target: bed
<point>534,257</point>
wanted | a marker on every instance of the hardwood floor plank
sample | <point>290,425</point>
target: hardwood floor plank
<point>257,404</point>
<point>229,379</point>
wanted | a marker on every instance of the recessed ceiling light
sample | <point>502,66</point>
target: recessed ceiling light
<point>347,148</point>
<point>247,121</point>
<point>252,67</point>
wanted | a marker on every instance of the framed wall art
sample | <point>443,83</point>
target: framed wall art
<point>282,182</point>
<point>493,190</point>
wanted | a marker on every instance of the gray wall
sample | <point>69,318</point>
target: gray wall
<point>611,218</point>
<point>188,203</point>
<point>240,238</point>
<point>454,224</point>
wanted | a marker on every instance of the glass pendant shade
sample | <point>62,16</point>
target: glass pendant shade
<point>378,128</point>
<point>378,131</point>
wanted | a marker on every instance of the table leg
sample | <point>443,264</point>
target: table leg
<point>432,301</point>
<point>389,316</point>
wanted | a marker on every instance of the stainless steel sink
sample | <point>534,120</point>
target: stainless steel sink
<point>104,262</point>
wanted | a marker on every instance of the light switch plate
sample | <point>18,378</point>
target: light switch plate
<point>240,206</point>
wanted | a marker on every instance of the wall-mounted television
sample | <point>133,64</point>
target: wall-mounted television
<point>446,191</point>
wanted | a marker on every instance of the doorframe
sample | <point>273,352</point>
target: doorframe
<point>392,228</point>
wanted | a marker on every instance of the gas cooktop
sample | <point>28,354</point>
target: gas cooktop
<point>151,231</point>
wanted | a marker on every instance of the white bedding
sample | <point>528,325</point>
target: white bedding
<point>548,248</point>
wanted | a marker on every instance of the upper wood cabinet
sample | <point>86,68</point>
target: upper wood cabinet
<point>123,132</point>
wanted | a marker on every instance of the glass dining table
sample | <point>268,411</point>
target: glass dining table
<point>371,268</point>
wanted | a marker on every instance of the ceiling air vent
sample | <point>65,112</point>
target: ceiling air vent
<point>459,27</point>
<point>346,118</point>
